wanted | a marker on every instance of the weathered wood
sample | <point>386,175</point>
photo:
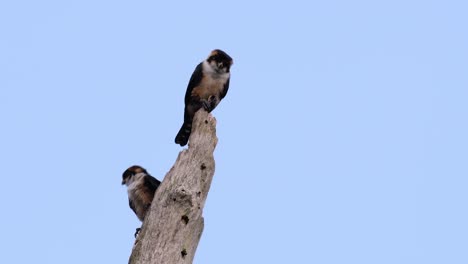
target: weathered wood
<point>173,227</point>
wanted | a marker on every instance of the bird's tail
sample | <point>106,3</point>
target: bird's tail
<point>184,134</point>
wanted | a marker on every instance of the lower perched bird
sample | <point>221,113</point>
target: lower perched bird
<point>207,87</point>
<point>141,188</point>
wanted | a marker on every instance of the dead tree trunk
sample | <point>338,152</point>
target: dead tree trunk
<point>174,224</point>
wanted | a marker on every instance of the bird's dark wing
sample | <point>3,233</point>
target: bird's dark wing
<point>195,80</point>
<point>132,206</point>
<point>225,89</point>
<point>151,183</point>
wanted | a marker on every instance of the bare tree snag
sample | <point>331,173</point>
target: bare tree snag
<point>173,226</point>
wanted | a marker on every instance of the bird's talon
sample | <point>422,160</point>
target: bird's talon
<point>137,232</point>
<point>206,105</point>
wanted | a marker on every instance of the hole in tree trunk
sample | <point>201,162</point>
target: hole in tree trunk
<point>185,219</point>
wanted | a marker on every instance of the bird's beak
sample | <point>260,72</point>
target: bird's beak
<point>123,182</point>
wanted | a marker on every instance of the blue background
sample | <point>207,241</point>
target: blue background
<point>343,138</point>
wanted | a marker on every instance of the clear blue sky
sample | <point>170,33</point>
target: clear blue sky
<point>343,138</point>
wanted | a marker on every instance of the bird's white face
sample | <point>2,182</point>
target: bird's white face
<point>130,173</point>
<point>216,69</point>
<point>130,181</point>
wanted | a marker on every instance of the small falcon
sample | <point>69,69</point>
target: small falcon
<point>141,188</point>
<point>207,87</point>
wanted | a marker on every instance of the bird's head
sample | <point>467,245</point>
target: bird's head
<point>128,174</point>
<point>220,61</point>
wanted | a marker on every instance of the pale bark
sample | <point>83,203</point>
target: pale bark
<point>173,226</point>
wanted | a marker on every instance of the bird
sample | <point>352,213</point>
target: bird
<point>141,187</point>
<point>208,85</point>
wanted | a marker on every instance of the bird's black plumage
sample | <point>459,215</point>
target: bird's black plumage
<point>195,80</point>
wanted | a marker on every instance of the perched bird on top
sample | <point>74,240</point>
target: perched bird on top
<point>141,188</point>
<point>207,87</point>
